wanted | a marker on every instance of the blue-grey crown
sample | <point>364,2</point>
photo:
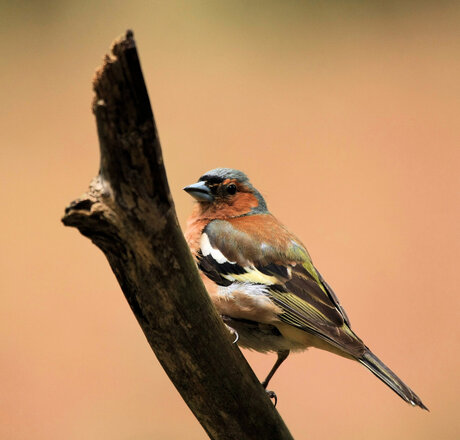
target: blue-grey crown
<point>218,175</point>
<point>225,173</point>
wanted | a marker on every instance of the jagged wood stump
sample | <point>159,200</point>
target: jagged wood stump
<point>129,214</point>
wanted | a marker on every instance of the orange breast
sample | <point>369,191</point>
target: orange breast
<point>195,226</point>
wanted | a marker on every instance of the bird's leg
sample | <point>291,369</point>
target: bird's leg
<point>282,355</point>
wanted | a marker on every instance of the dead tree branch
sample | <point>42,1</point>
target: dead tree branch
<point>129,214</point>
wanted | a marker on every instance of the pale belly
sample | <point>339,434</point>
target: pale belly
<point>247,310</point>
<point>260,337</point>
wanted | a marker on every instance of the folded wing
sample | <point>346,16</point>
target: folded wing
<point>264,252</point>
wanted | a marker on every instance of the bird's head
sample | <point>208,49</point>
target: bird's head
<point>226,193</point>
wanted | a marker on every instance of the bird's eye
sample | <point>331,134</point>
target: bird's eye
<point>231,189</point>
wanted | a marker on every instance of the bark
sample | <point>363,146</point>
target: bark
<point>129,214</point>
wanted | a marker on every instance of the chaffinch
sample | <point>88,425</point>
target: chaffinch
<point>262,281</point>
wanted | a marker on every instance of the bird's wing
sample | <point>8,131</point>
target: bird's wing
<point>258,249</point>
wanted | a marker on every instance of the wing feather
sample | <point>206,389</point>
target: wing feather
<point>294,284</point>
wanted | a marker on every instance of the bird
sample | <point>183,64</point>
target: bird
<point>262,281</point>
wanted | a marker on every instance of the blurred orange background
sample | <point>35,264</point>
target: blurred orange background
<point>344,114</point>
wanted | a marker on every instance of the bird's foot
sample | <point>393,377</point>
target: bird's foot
<point>272,395</point>
<point>234,333</point>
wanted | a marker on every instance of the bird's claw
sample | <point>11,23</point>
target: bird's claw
<point>272,395</point>
<point>234,333</point>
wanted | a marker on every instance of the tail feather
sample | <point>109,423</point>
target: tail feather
<point>376,366</point>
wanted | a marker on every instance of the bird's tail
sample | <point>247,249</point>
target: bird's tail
<point>374,364</point>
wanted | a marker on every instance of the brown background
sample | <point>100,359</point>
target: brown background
<point>345,115</point>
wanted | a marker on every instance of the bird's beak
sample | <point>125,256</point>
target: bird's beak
<point>200,192</point>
